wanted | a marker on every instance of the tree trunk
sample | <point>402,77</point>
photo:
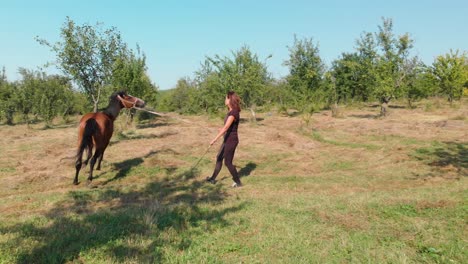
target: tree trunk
<point>132,115</point>
<point>9,120</point>
<point>410,103</point>
<point>254,117</point>
<point>95,108</point>
<point>336,110</point>
<point>384,106</point>
<point>96,100</point>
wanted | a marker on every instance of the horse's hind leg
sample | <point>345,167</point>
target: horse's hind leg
<point>78,164</point>
<point>99,161</point>
<point>96,155</point>
<point>89,154</point>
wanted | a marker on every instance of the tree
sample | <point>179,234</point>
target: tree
<point>87,54</point>
<point>391,70</point>
<point>345,73</point>
<point>45,96</point>
<point>210,87</point>
<point>184,97</point>
<point>52,97</point>
<point>367,58</point>
<point>355,73</point>
<point>450,72</point>
<point>306,71</point>
<point>277,94</point>
<point>28,89</point>
<point>243,73</point>
<point>7,99</point>
<point>418,83</point>
<point>129,73</point>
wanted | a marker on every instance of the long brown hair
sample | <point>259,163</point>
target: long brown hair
<point>234,100</point>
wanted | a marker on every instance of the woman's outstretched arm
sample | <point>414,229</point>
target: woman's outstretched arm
<point>223,130</point>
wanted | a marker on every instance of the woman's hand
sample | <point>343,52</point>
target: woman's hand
<point>213,141</point>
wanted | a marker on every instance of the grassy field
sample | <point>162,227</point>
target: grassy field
<point>357,189</point>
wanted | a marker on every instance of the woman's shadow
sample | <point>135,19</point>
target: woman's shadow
<point>247,169</point>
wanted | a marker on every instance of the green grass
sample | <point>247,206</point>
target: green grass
<point>404,141</point>
<point>7,170</point>
<point>318,137</point>
<point>345,210</point>
<point>175,221</point>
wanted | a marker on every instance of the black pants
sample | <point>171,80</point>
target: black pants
<point>226,152</point>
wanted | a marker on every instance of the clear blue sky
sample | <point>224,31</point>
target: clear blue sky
<point>176,36</point>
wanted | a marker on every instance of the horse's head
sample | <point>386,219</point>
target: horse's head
<point>127,101</point>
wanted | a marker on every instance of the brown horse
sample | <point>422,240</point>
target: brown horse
<point>95,131</point>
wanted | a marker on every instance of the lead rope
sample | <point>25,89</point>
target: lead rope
<point>165,115</point>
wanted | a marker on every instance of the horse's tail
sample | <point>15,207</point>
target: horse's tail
<point>86,141</point>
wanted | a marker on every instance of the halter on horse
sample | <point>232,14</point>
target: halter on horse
<point>95,131</point>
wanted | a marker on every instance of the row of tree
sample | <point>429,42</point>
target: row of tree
<point>95,62</point>
<point>380,68</point>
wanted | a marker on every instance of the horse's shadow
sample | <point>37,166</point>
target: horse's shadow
<point>152,125</point>
<point>365,116</point>
<point>124,168</point>
<point>121,137</point>
<point>87,220</point>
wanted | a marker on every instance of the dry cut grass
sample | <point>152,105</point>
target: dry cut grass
<point>352,189</point>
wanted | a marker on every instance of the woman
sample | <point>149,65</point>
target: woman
<point>229,130</point>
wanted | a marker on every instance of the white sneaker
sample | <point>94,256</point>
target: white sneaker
<point>236,185</point>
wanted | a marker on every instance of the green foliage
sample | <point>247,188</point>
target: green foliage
<point>99,62</point>
<point>44,96</point>
<point>345,72</point>
<point>54,98</point>
<point>419,85</point>
<point>355,73</point>
<point>381,68</point>
<point>183,98</point>
<point>306,71</point>
<point>243,73</point>
<point>210,88</point>
<point>40,96</point>
<point>277,96</point>
<point>129,73</point>
<point>27,93</point>
<point>87,54</point>
<point>394,65</point>
<point>450,73</point>
<point>8,99</point>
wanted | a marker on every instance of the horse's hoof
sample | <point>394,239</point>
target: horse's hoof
<point>75,183</point>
